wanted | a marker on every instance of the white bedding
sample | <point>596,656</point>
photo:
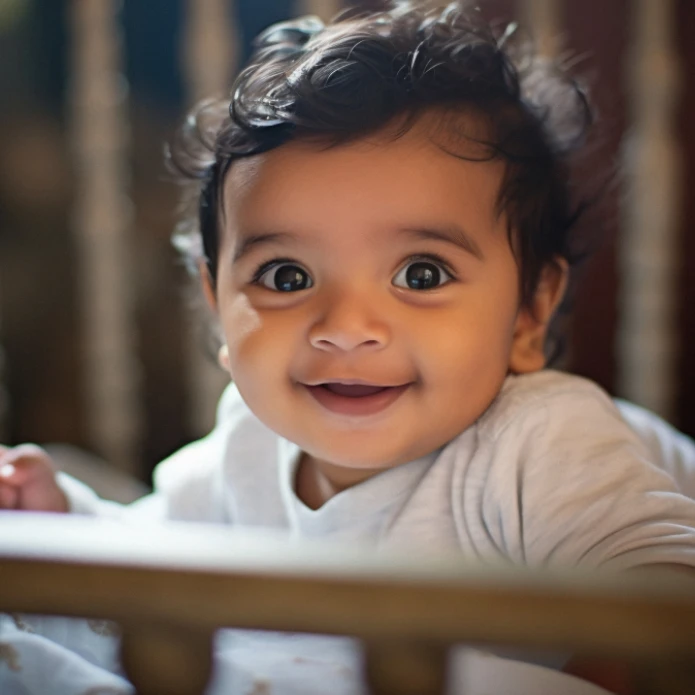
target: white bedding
<point>77,657</point>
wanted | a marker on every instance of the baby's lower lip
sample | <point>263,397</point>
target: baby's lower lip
<point>360,405</point>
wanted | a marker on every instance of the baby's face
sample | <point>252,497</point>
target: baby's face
<point>368,295</point>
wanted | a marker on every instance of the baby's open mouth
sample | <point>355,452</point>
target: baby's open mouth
<point>352,390</point>
<point>355,399</point>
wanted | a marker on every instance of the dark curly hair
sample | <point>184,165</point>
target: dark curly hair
<point>360,73</point>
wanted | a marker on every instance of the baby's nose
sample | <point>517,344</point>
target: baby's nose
<point>350,323</point>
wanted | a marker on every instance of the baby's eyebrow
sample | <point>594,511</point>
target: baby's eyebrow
<point>452,234</point>
<point>246,242</point>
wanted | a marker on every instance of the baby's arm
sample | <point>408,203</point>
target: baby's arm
<point>669,449</point>
<point>645,527</point>
<point>575,486</point>
<point>188,486</point>
<point>28,480</point>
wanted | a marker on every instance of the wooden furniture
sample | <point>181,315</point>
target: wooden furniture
<point>170,588</point>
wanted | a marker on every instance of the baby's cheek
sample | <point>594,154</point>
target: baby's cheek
<point>240,323</point>
<point>468,376</point>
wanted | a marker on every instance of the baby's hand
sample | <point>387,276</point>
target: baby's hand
<point>28,480</point>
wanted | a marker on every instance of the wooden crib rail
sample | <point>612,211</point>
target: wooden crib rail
<point>170,588</point>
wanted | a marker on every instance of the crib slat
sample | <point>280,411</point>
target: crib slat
<point>163,659</point>
<point>401,667</point>
<point>102,220</point>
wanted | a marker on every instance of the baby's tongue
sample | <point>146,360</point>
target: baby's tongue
<point>353,390</point>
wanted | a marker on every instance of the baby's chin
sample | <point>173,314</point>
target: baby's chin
<point>364,459</point>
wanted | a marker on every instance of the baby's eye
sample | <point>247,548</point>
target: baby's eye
<point>285,277</point>
<point>421,275</point>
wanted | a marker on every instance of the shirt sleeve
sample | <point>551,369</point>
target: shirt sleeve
<point>571,484</point>
<point>83,500</point>
<point>188,486</point>
<point>668,448</point>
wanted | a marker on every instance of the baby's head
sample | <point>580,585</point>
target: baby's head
<point>383,226</point>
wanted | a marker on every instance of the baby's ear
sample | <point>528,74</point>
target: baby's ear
<point>531,330</point>
<point>207,286</point>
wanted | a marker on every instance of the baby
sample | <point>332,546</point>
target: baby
<point>385,230</point>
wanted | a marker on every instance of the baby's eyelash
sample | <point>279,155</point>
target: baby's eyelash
<point>414,258</point>
<point>267,265</point>
<point>434,257</point>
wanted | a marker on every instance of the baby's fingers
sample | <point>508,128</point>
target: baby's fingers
<point>20,464</point>
<point>28,482</point>
<point>9,496</point>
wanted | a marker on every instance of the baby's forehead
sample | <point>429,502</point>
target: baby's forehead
<point>458,133</point>
<point>370,189</point>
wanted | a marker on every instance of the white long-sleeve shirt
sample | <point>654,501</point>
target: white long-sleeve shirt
<point>551,474</point>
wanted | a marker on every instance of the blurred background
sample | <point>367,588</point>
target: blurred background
<point>98,348</point>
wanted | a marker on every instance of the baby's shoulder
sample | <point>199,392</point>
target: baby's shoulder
<point>550,430</point>
<point>237,436</point>
<point>546,399</point>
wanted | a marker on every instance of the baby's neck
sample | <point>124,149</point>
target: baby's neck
<point>318,481</point>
